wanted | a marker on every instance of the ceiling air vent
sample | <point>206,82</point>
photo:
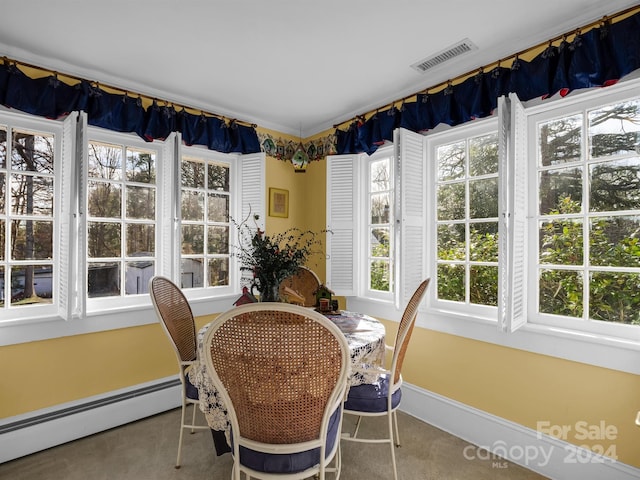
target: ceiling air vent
<point>445,55</point>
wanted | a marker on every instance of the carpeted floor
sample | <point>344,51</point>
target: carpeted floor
<point>146,450</point>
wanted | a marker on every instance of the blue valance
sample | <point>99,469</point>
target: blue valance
<point>49,97</point>
<point>597,58</point>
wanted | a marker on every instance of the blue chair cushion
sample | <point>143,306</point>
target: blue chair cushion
<point>290,462</point>
<point>191,391</point>
<point>372,397</point>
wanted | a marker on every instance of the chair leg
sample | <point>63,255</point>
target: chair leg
<point>184,407</point>
<point>390,417</point>
<point>355,433</point>
<point>193,419</point>
<point>395,421</point>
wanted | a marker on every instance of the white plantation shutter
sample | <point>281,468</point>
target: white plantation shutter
<point>67,261</point>
<point>512,143</point>
<point>252,196</point>
<point>81,179</point>
<point>168,216</point>
<point>410,148</point>
<point>252,179</point>
<point>341,221</point>
<point>70,291</point>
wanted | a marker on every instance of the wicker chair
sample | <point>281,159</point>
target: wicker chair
<point>382,398</point>
<point>282,372</point>
<point>304,282</point>
<point>176,317</point>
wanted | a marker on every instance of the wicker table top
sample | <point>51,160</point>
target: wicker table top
<point>365,336</point>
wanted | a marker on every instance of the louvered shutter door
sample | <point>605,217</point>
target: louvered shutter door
<point>252,180</point>
<point>513,308</point>
<point>80,204</point>
<point>412,208</point>
<point>504,119</point>
<point>341,221</point>
<point>67,261</point>
<point>169,216</point>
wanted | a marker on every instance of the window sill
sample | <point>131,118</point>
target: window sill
<point>589,348</point>
<point>33,330</point>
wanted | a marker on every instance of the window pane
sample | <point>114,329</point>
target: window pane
<point>218,240</point>
<point>141,166</point>
<point>560,191</point>
<point>218,207</point>
<point>192,173</point>
<point>218,272</point>
<point>451,242</point>
<point>103,279</point>
<point>104,199</point>
<point>483,198</point>
<point>32,152</point>
<point>380,208</point>
<point>483,155</point>
<point>380,275</point>
<point>483,246</point>
<point>192,239</point>
<point>31,240</point>
<point>380,175</point>
<point>615,185</point>
<point>451,282</point>
<point>614,297</point>
<point>192,273</point>
<point>380,242</point>
<point>140,239</point>
<point>614,241</point>
<point>137,276</point>
<point>451,202</point>
<point>32,195</point>
<point>31,284</point>
<point>451,161</point>
<point>218,178</point>
<point>105,161</point>
<point>561,292</point>
<point>483,285</point>
<point>104,239</point>
<point>615,129</point>
<point>141,203</point>
<point>192,206</point>
<point>2,244</point>
<point>560,140</point>
<point>561,242</point>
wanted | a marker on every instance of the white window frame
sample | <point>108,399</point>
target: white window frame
<point>574,105</point>
<point>432,142</point>
<point>76,314</point>
<point>599,348</point>
<point>108,303</point>
<point>365,219</point>
<point>11,315</point>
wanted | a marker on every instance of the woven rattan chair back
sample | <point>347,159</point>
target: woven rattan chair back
<point>174,310</point>
<point>279,368</point>
<point>405,329</point>
<point>305,282</point>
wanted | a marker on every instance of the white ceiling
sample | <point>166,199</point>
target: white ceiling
<point>296,66</point>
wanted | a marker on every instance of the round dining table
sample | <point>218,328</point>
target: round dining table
<point>365,336</point>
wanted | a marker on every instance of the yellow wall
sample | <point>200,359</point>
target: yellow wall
<point>519,386</point>
<point>527,388</point>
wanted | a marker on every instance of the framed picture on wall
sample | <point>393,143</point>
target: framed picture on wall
<point>278,202</point>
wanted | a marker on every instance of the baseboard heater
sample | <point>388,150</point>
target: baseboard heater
<point>32,433</point>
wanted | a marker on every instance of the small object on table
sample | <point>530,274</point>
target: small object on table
<point>324,304</point>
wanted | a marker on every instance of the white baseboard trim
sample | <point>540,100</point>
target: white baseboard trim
<point>25,434</point>
<point>546,455</point>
